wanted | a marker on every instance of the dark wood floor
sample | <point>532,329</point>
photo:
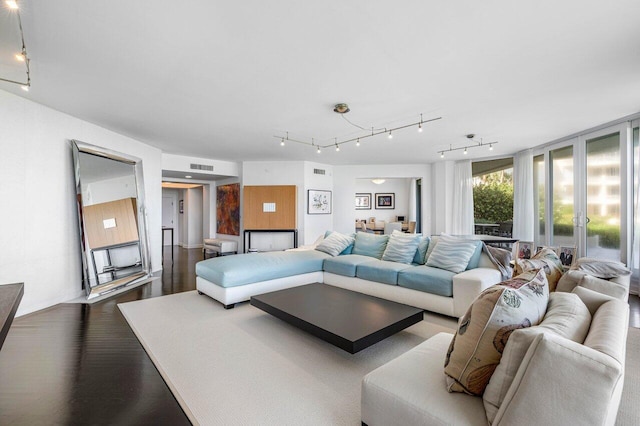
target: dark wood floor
<point>81,364</point>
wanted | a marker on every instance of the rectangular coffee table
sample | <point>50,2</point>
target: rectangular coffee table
<point>349,320</point>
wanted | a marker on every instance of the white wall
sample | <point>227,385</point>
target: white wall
<point>193,218</point>
<point>345,178</point>
<point>398,186</point>
<point>315,225</point>
<point>107,190</point>
<point>38,219</point>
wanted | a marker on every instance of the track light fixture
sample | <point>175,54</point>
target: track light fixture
<point>470,137</point>
<point>342,109</point>
<point>22,56</point>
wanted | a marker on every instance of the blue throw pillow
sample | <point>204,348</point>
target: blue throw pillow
<point>475,258</point>
<point>335,243</point>
<point>421,252</point>
<point>371,245</point>
<point>401,247</point>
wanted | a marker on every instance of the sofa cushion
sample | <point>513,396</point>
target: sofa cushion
<point>592,299</point>
<point>345,265</point>
<point>335,243</point>
<point>381,271</point>
<point>401,247</point>
<point>409,390</point>
<point>240,269</point>
<point>371,245</point>
<point>427,279</point>
<point>609,288</point>
<point>421,251</point>
<point>474,261</point>
<point>566,316</point>
<point>484,329</point>
<point>546,259</point>
<point>452,254</point>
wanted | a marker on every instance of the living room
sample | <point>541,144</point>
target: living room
<point>225,84</point>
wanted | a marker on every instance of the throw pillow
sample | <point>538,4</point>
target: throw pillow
<point>609,288</point>
<point>371,245</point>
<point>335,243</point>
<point>421,252</point>
<point>592,299</point>
<point>484,329</point>
<point>566,316</point>
<point>546,259</point>
<point>599,268</point>
<point>452,254</point>
<point>401,247</point>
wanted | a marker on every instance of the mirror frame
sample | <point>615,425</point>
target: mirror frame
<point>79,147</point>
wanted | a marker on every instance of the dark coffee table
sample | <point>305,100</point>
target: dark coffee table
<point>349,320</point>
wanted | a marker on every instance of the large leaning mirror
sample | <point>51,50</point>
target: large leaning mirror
<point>113,232</point>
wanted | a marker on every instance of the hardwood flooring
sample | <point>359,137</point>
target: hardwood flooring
<point>80,364</point>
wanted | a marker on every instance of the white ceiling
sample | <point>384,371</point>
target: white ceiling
<point>218,79</point>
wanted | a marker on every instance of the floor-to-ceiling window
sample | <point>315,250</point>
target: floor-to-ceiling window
<point>493,196</point>
<point>539,202</point>
<point>635,260</point>
<point>562,198</point>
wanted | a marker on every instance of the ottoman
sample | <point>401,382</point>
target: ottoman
<point>219,246</point>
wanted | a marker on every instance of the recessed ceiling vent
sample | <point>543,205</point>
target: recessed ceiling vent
<point>201,167</point>
<point>319,172</point>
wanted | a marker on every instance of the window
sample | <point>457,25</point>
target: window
<point>493,196</point>
<point>539,194</point>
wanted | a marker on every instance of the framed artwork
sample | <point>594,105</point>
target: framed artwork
<point>566,255</point>
<point>386,200</point>
<point>318,202</point>
<point>524,249</point>
<point>181,206</point>
<point>363,201</point>
<point>228,209</point>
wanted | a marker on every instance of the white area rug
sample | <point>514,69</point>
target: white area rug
<point>243,366</point>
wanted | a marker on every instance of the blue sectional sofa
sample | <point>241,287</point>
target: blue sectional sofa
<point>361,266</point>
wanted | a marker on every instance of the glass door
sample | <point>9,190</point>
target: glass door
<point>603,201</point>
<point>562,196</point>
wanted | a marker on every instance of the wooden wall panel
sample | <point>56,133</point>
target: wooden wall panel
<point>285,215</point>
<point>124,213</point>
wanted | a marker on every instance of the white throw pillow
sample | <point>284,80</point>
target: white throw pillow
<point>401,247</point>
<point>335,243</point>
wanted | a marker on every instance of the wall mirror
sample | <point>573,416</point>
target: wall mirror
<point>111,218</point>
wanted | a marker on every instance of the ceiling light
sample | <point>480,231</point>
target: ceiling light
<point>420,127</point>
<point>13,4</point>
<point>188,176</point>
<point>442,154</point>
<point>341,108</point>
<point>465,150</point>
<point>282,142</point>
<point>358,142</point>
<point>490,147</point>
<point>378,181</point>
<point>25,87</point>
<point>318,151</point>
<point>337,148</point>
<point>390,135</point>
<point>20,57</point>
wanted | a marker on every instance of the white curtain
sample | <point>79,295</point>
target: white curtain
<point>523,202</point>
<point>412,199</point>
<point>635,249</point>
<point>462,199</point>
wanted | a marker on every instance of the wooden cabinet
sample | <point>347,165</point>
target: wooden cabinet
<point>284,198</point>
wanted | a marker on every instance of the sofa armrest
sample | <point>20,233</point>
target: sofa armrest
<point>552,387</point>
<point>469,284</point>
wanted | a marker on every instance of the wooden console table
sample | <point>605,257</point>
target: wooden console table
<point>10,297</point>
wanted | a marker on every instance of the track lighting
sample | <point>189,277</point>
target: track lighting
<point>342,109</point>
<point>470,137</point>
<point>22,56</point>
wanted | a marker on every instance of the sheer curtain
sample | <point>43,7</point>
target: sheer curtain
<point>462,199</point>
<point>523,202</point>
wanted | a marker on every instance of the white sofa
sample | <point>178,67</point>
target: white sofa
<point>559,381</point>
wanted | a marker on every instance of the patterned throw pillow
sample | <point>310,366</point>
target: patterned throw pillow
<point>452,254</point>
<point>483,331</point>
<point>546,259</point>
<point>401,247</point>
<point>335,243</point>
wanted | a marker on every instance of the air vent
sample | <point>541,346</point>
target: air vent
<point>319,172</point>
<point>201,167</point>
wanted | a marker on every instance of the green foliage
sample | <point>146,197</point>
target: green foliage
<point>493,198</point>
